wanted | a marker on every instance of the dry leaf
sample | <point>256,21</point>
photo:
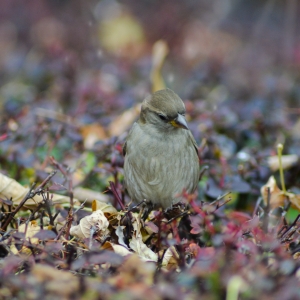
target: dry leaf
<point>159,52</point>
<point>96,219</point>
<point>124,121</point>
<point>32,229</point>
<point>120,234</point>
<point>286,160</point>
<point>137,244</point>
<point>170,259</point>
<point>83,194</point>
<point>105,207</point>
<point>121,250</point>
<point>277,196</point>
<point>11,189</point>
<point>92,133</point>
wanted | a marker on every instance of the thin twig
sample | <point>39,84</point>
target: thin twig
<point>65,225</point>
<point>116,195</point>
<point>176,217</point>
<point>267,210</point>
<point>67,177</point>
<point>290,230</point>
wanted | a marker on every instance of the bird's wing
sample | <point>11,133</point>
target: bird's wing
<point>128,136</point>
<point>194,142</point>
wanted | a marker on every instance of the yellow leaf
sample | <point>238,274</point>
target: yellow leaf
<point>159,52</point>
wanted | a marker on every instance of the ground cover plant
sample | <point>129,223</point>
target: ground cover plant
<point>73,76</point>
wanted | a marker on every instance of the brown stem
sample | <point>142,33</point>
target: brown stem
<point>116,195</point>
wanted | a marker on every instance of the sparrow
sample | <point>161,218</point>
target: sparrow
<point>161,155</point>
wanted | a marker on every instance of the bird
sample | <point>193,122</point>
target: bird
<point>161,159</point>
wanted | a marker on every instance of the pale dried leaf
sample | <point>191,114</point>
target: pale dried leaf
<point>170,258</point>
<point>96,219</point>
<point>121,250</point>
<point>277,197</point>
<point>138,246</point>
<point>124,121</point>
<point>159,52</point>
<point>31,230</point>
<point>286,160</point>
<point>83,194</point>
<point>120,234</point>
<point>11,189</point>
<point>105,207</point>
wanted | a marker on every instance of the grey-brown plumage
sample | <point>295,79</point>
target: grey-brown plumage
<point>161,158</point>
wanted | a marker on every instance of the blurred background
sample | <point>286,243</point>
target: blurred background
<point>70,50</point>
<point>235,64</point>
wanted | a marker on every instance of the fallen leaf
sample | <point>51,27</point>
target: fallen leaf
<point>120,234</point>
<point>286,160</point>
<point>83,194</point>
<point>159,52</point>
<point>96,219</point>
<point>121,250</point>
<point>137,244</point>
<point>277,196</point>
<point>11,189</point>
<point>92,133</point>
<point>124,121</point>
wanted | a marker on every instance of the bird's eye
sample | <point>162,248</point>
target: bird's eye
<point>163,117</point>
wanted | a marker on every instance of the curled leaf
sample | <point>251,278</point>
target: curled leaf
<point>121,250</point>
<point>120,234</point>
<point>96,219</point>
<point>276,195</point>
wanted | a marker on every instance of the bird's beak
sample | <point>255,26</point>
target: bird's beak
<point>179,122</point>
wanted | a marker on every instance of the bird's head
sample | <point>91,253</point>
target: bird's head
<point>165,110</point>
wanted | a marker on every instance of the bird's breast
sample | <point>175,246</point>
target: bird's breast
<point>160,166</point>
